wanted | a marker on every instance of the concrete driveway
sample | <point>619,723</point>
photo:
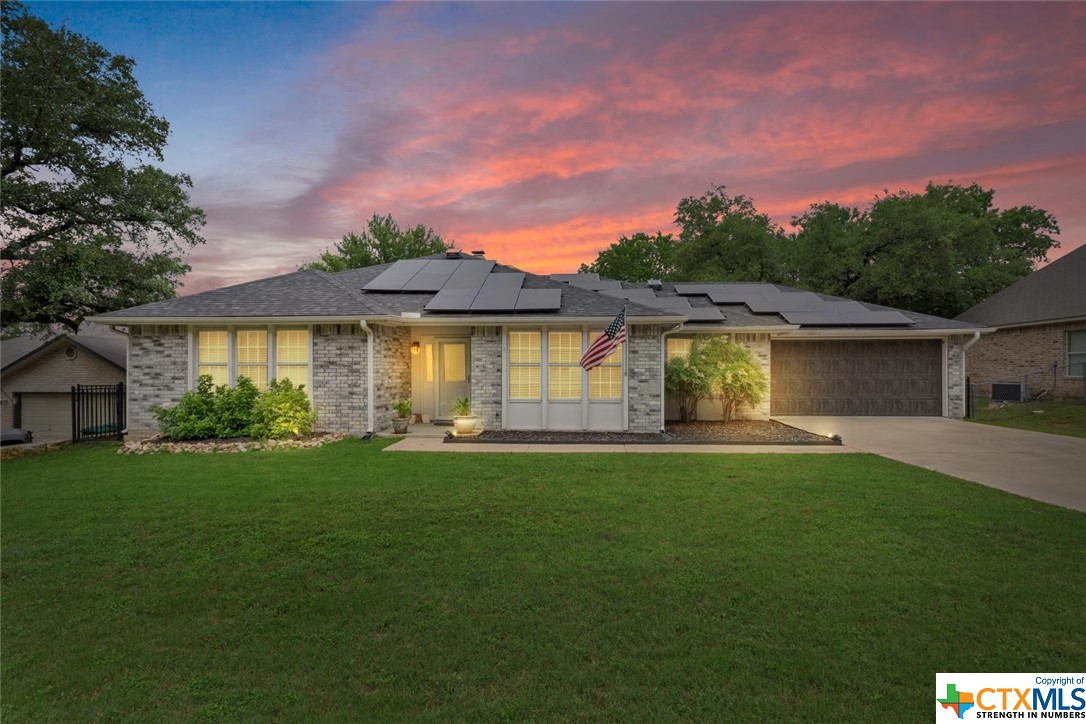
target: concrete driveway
<point>1050,468</point>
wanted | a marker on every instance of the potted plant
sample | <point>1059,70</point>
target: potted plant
<point>403,416</point>
<point>463,421</point>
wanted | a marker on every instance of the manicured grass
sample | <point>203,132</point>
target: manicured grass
<point>1059,417</point>
<point>350,584</point>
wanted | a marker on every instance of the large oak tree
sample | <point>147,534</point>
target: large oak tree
<point>89,224</point>
<point>382,241</point>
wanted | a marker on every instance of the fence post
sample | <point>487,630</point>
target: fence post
<point>968,398</point>
<point>119,418</point>
<point>75,413</point>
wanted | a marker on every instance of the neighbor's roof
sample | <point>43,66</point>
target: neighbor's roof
<point>102,342</point>
<point>1055,292</point>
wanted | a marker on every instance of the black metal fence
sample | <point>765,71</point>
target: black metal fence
<point>98,412</point>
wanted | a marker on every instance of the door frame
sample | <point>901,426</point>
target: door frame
<point>439,371</point>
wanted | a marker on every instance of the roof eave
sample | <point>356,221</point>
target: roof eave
<point>1038,323</point>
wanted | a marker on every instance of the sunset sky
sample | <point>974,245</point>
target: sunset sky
<point>543,132</point>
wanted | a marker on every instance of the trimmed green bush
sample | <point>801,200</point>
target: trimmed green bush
<point>283,411</point>
<point>716,368</point>
<point>222,412</point>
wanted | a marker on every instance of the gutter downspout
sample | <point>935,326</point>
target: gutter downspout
<point>371,403</point>
<point>970,343</point>
<point>663,364</point>
<point>127,363</point>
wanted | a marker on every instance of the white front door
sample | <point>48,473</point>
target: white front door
<point>452,375</point>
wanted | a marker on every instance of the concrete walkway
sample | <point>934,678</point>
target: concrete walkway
<point>1049,468</point>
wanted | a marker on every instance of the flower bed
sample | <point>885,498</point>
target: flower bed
<point>160,444</point>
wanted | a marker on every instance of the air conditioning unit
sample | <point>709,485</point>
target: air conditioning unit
<point>1009,392</point>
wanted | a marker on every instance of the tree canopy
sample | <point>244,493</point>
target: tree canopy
<point>937,252</point>
<point>383,241</point>
<point>89,225</point>
<point>636,258</point>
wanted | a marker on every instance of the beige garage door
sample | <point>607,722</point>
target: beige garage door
<point>48,416</point>
<point>857,377</point>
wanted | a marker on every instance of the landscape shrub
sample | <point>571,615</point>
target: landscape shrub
<point>222,412</point>
<point>716,367</point>
<point>283,411</point>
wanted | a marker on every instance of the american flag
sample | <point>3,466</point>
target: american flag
<point>606,343</point>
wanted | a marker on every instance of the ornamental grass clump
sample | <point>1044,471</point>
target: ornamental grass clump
<point>222,412</point>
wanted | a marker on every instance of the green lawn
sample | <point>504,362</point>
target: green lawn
<point>350,584</point>
<point>1060,417</point>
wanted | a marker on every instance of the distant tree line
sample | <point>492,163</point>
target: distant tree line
<point>937,252</point>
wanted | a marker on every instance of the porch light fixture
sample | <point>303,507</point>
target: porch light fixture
<point>414,348</point>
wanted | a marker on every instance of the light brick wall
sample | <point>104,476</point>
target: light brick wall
<point>955,376</point>
<point>339,378</point>
<point>391,372</point>
<point>759,345</point>
<point>54,372</point>
<point>644,377</point>
<point>486,376</point>
<point>1008,354</point>
<point>158,369</point>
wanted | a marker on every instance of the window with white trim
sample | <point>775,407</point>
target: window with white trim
<point>563,365</point>
<point>605,381</point>
<point>213,355</point>
<point>1076,353</point>
<point>524,365</point>
<point>678,347</point>
<point>253,356</point>
<point>292,356</point>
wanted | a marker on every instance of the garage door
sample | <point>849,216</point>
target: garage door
<point>857,377</point>
<point>48,416</point>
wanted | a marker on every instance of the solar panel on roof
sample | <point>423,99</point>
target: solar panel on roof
<point>676,303</point>
<point>432,277</point>
<point>393,278</point>
<point>597,285</point>
<point>726,297</point>
<point>641,296</point>
<point>569,278</point>
<point>777,304</point>
<point>452,300</point>
<point>499,293</point>
<point>469,275</point>
<point>539,300</point>
<point>842,307</point>
<point>693,290</point>
<point>876,317</point>
<point>820,318</point>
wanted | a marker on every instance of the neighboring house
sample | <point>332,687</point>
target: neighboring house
<point>1040,324</point>
<point>37,376</point>
<point>458,325</point>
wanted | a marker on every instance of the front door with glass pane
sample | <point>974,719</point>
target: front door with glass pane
<point>452,375</point>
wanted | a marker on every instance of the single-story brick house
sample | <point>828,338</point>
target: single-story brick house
<point>38,374</point>
<point>458,325</point>
<point>1039,327</point>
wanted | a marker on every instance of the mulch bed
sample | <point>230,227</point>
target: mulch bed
<point>736,432</point>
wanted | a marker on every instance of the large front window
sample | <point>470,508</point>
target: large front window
<point>1076,353</point>
<point>605,381</point>
<point>225,355</point>
<point>524,365</point>
<point>563,363</point>
<point>213,355</point>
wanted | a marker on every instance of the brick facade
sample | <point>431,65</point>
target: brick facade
<point>1010,353</point>
<point>955,376</point>
<point>759,345</point>
<point>391,371</point>
<point>644,378</point>
<point>339,378</point>
<point>158,371</point>
<point>486,377</point>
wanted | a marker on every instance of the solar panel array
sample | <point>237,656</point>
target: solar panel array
<point>795,307</point>
<point>465,285</point>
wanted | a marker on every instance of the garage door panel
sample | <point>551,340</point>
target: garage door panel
<point>47,415</point>
<point>856,377</point>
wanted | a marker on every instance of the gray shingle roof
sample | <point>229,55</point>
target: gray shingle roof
<point>738,315</point>
<point>1057,291</point>
<point>101,341</point>
<point>316,294</point>
<point>307,293</point>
